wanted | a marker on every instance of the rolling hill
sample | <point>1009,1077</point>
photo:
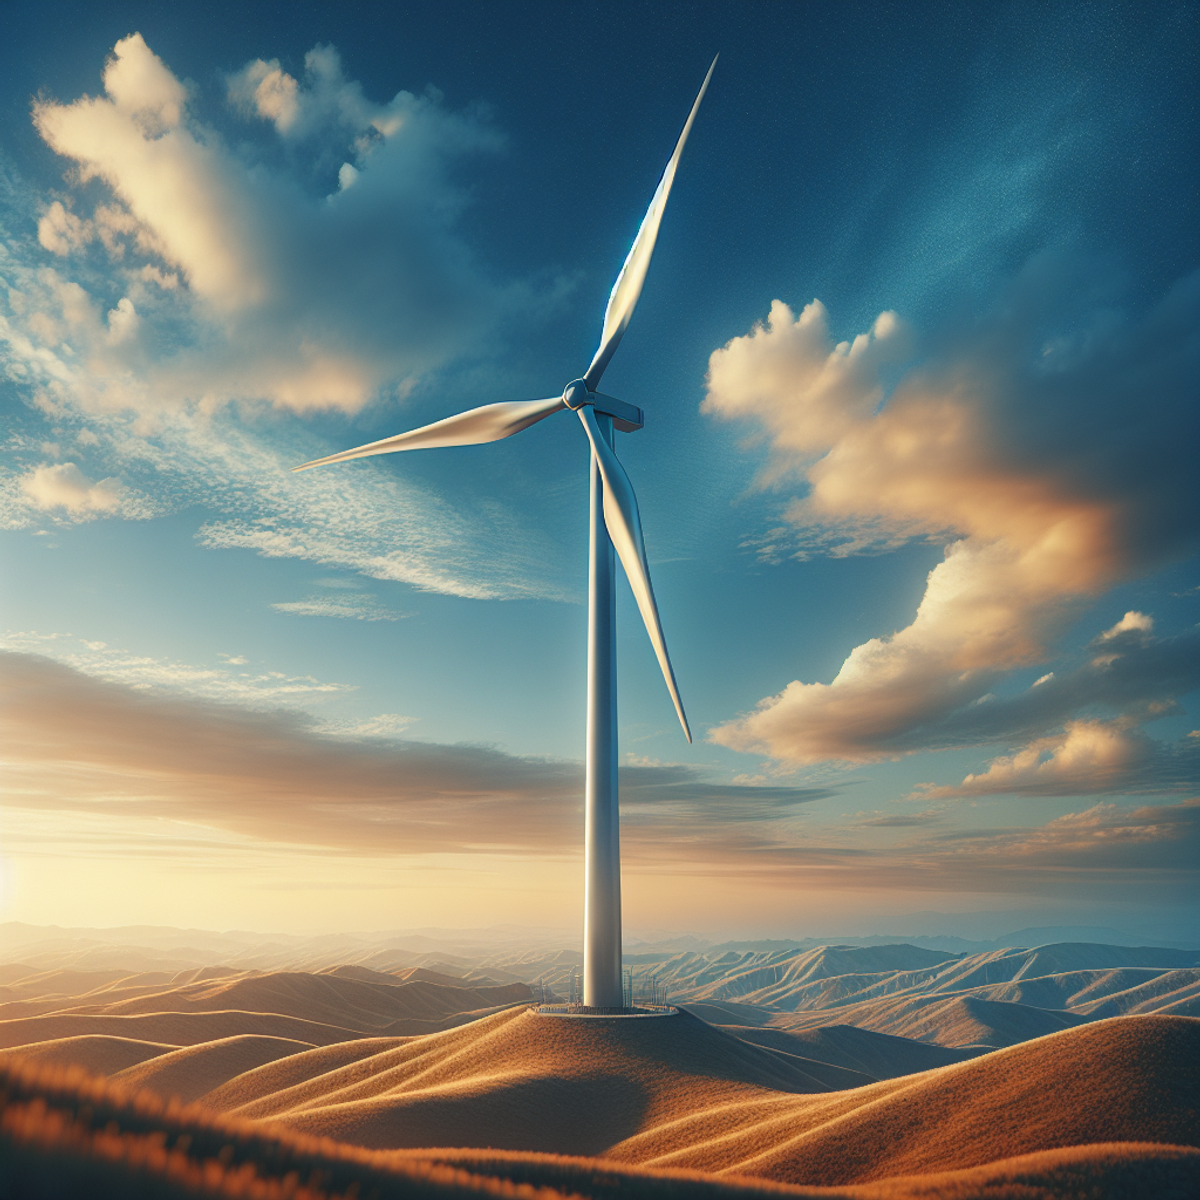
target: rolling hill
<point>881,1071</point>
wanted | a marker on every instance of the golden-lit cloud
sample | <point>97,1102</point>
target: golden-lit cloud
<point>789,377</point>
<point>1038,523</point>
<point>150,773</point>
<point>78,743</point>
<point>241,284</point>
<point>304,109</point>
<point>64,485</point>
<point>1087,756</point>
<point>1093,757</point>
<point>1089,856</point>
<point>179,282</point>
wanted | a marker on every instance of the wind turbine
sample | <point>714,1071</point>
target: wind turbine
<point>614,524</point>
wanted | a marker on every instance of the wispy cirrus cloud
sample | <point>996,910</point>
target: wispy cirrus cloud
<point>351,607</point>
<point>189,284</point>
<point>371,520</point>
<point>1034,450</point>
<point>901,820</point>
<point>233,680</point>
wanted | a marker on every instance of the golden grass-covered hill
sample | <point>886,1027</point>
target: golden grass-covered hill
<point>1113,1117</point>
<point>419,1082</point>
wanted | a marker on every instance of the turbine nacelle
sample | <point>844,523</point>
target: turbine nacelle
<point>626,417</point>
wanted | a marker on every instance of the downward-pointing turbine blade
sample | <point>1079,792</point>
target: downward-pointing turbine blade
<point>487,424</point>
<point>625,531</point>
<point>624,297</point>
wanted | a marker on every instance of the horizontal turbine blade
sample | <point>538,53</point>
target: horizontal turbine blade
<point>624,296</point>
<point>625,531</point>
<point>487,424</point>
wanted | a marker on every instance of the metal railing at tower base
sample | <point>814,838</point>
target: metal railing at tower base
<point>642,995</point>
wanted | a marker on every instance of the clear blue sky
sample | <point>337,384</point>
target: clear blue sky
<point>931,594</point>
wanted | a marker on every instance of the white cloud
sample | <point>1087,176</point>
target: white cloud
<point>141,87</point>
<point>167,280</point>
<point>355,607</point>
<point>34,492</point>
<point>385,725</point>
<point>122,322</point>
<point>326,98</point>
<point>806,392</point>
<point>259,289</point>
<point>61,231</point>
<point>960,447</point>
<point>143,673</point>
<point>920,464</point>
<point>1129,622</point>
<point>64,485</point>
<point>369,519</point>
<point>268,91</point>
<point>205,276</point>
<point>1089,757</point>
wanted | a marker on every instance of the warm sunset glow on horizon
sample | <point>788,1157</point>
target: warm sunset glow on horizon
<point>918,485</point>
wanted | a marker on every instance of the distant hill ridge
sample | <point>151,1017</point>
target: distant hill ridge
<point>978,1001</point>
<point>317,1009</point>
<point>982,1000</point>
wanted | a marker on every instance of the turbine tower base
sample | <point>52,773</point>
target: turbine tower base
<point>595,1011</point>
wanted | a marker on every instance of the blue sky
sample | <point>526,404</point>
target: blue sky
<point>918,354</point>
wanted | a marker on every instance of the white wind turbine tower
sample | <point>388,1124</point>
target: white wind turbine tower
<point>614,524</point>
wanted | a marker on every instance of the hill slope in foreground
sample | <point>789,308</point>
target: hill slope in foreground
<point>418,1083</point>
<point>1105,1110</point>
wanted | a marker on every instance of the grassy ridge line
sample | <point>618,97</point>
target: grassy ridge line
<point>64,1133</point>
<point>1108,1171</point>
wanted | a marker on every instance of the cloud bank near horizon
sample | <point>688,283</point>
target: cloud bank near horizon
<point>1046,447</point>
<point>81,743</point>
<point>111,754</point>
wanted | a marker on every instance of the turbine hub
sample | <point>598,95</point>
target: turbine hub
<point>577,395</point>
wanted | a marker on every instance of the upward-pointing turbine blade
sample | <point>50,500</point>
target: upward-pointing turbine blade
<point>487,424</point>
<point>625,531</point>
<point>624,296</point>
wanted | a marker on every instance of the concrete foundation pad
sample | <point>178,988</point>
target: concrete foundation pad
<point>583,1010</point>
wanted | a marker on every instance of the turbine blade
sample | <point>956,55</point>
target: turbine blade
<point>624,296</point>
<point>487,424</point>
<point>625,531</point>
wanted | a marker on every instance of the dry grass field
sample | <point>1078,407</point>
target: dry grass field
<point>415,1082</point>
